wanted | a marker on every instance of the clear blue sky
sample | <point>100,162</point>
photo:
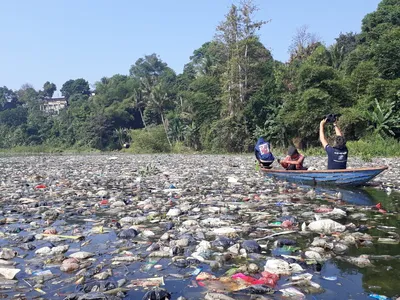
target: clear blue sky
<point>58,40</point>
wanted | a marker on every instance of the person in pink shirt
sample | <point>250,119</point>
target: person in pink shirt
<point>293,161</point>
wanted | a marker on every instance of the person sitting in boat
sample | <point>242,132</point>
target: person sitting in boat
<point>293,161</point>
<point>337,155</point>
<point>263,153</point>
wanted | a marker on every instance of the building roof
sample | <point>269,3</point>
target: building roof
<point>55,99</point>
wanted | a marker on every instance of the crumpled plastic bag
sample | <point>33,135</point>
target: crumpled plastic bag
<point>326,226</point>
<point>267,278</point>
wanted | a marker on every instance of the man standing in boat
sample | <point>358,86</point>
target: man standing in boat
<point>337,155</point>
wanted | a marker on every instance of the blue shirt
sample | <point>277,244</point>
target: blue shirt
<point>262,150</point>
<point>337,158</point>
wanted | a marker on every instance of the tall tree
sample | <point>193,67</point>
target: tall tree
<point>346,42</point>
<point>157,87</point>
<point>27,93</point>
<point>236,33</point>
<point>75,87</point>
<point>8,98</point>
<point>303,43</point>
<point>49,89</point>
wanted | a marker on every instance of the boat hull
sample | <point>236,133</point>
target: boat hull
<point>347,177</point>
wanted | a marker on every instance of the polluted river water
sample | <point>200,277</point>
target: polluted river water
<point>191,227</point>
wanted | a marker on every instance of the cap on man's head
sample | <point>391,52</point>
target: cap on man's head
<point>292,150</point>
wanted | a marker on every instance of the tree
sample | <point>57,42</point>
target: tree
<point>236,33</point>
<point>385,18</point>
<point>346,42</point>
<point>75,87</point>
<point>49,89</point>
<point>387,54</point>
<point>158,100</point>
<point>8,98</point>
<point>157,87</point>
<point>302,42</point>
<point>362,75</point>
<point>14,117</point>
<point>27,94</point>
<point>150,66</point>
<point>361,53</point>
<point>209,59</point>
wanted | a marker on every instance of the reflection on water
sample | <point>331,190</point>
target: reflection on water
<point>366,196</point>
<point>383,277</point>
<point>354,196</point>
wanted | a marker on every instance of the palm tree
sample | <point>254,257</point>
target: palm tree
<point>337,55</point>
<point>140,103</point>
<point>159,99</point>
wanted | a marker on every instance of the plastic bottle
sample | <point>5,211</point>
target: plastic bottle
<point>379,297</point>
<point>42,273</point>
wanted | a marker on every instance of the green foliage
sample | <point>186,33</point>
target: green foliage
<point>49,89</point>
<point>374,146</point>
<point>75,87</point>
<point>387,54</point>
<point>346,43</point>
<point>179,147</point>
<point>231,91</point>
<point>27,94</point>
<point>310,75</point>
<point>366,148</point>
<point>229,135</point>
<point>360,54</point>
<point>149,140</point>
<point>353,122</point>
<point>8,98</point>
<point>382,119</point>
<point>320,56</point>
<point>384,89</point>
<point>361,76</point>
<point>14,116</point>
<point>387,16</point>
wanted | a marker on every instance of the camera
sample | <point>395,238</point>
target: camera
<point>332,118</point>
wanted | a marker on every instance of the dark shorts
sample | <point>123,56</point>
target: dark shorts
<point>266,163</point>
<point>291,167</point>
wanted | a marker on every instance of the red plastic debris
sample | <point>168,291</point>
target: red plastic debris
<point>287,224</point>
<point>267,280</point>
<point>50,231</point>
<point>380,208</point>
<point>104,202</point>
<point>274,277</point>
<point>40,186</point>
<point>323,210</point>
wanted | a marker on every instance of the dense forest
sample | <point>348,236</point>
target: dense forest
<point>230,92</point>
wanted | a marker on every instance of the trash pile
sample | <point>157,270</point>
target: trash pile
<point>179,227</point>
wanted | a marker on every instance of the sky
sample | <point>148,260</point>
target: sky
<point>58,40</point>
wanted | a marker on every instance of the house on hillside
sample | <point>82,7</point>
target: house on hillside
<point>53,105</point>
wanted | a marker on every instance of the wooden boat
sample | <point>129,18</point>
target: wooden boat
<point>346,177</point>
